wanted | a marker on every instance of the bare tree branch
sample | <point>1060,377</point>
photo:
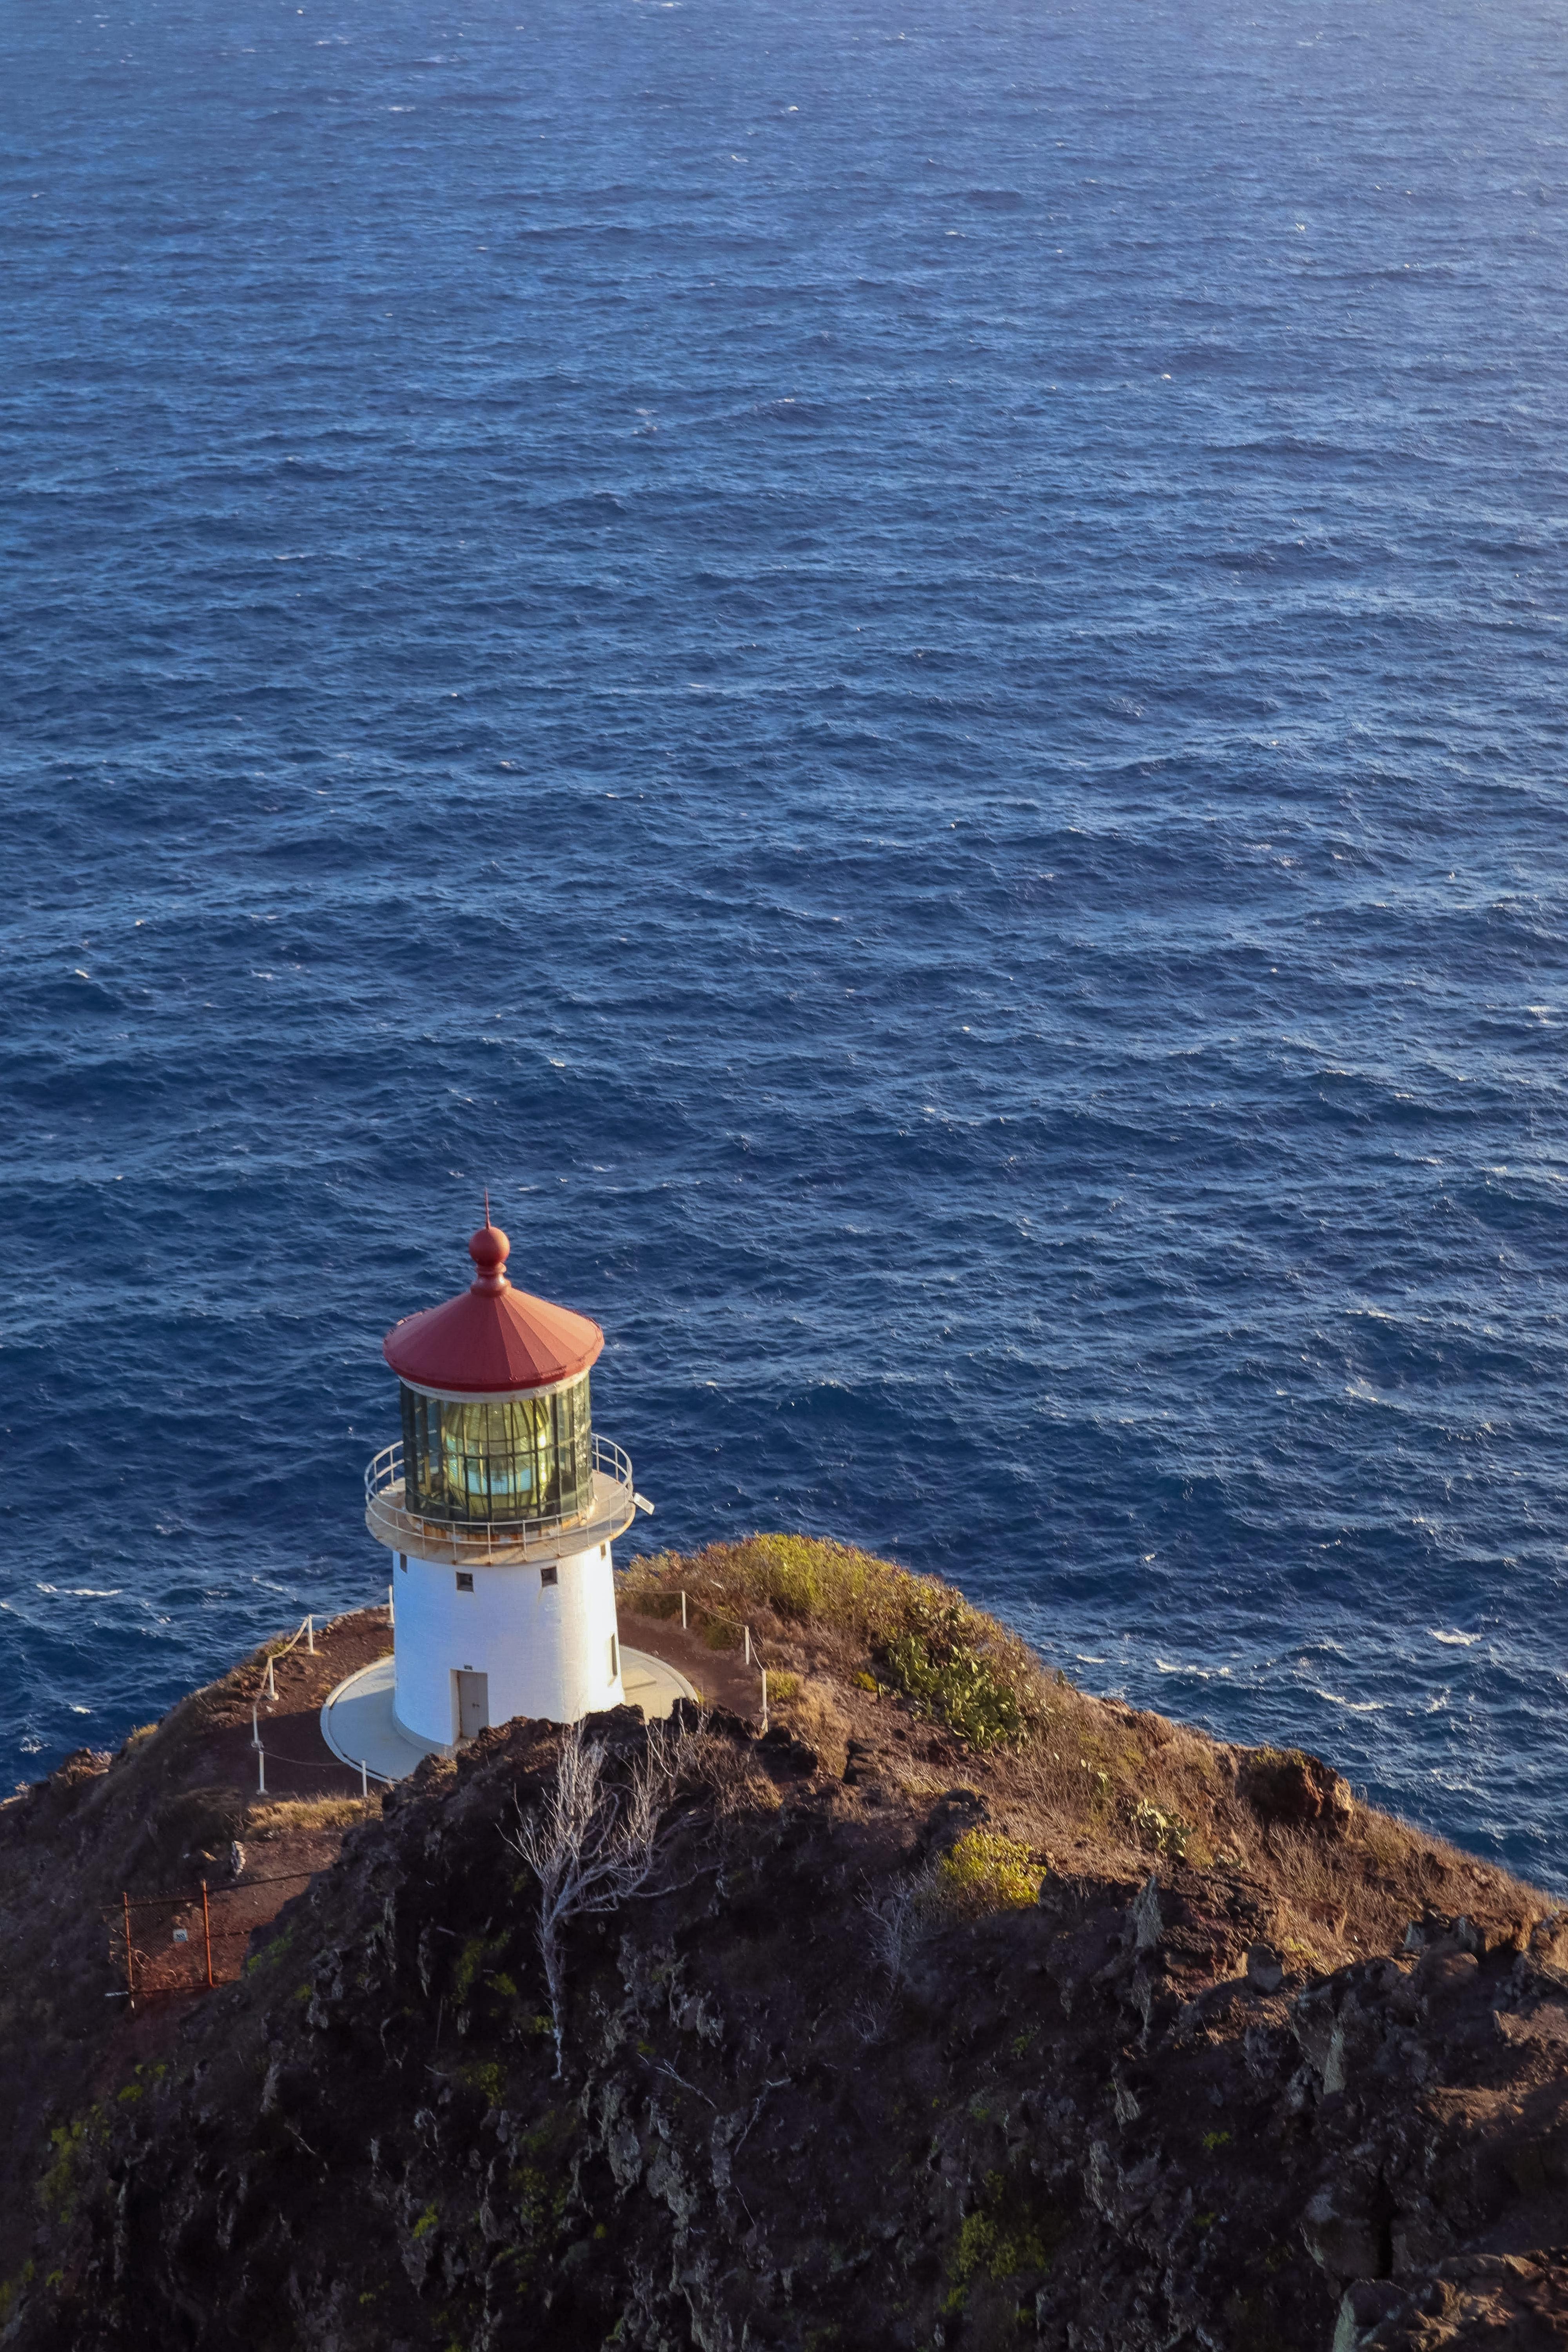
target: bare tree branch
<point>897,1924</point>
<point>592,1845</point>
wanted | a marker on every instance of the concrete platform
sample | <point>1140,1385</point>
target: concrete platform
<point>652,1684</point>
<point>357,1721</point>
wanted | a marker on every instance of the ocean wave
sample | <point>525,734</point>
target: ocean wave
<point>1082,810</point>
<point>1351,1705</point>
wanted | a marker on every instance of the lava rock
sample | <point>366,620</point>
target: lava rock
<point>1289,1786</point>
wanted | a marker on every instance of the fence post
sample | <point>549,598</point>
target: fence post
<point>255,1728</point>
<point>764,1698</point>
<point>311,1635</point>
<point>390,1617</point>
<point>207,1932</point>
<point>261,1768</point>
<point>683,1612</point>
<point>271,1680</point>
<point>748,1633</point>
<point>130,1964</point>
<point>364,1780</point>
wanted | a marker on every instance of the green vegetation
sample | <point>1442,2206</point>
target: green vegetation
<point>881,1625</point>
<point>1165,1833</point>
<point>270,1953</point>
<point>485,2078</point>
<point>798,1578</point>
<point>1006,2235</point>
<point>469,1961</point>
<point>10,2288</point>
<point>72,2144</point>
<point>938,1661</point>
<point>987,1871</point>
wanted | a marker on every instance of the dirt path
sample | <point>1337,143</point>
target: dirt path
<point>299,1764</point>
<point>719,1676</point>
<point>297,1821</point>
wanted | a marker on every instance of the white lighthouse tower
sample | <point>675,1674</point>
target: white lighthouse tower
<point>499,1507</point>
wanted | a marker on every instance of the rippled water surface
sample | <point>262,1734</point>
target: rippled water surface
<point>901,668</point>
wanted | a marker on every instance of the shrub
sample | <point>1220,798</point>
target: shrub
<point>801,1578</point>
<point>986,1871</point>
<point>782,1688</point>
<point>1006,2236</point>
<point>936,1662</point>
<point>952,1661</point>
<point>1165,1833</point>
<point>281,1815</point>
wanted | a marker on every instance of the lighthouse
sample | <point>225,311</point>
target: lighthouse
<point>500,1507</point>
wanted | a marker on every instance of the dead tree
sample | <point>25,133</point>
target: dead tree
<point>592,1845</point>
<point>898,1922</point>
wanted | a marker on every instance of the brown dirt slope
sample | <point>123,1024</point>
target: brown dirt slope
<point>964,2011</point>
<point>160,1816</point>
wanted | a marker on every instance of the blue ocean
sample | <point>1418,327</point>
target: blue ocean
<point>901,669</point>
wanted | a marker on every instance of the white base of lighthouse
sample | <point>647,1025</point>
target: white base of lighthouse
<point>475,1647</point>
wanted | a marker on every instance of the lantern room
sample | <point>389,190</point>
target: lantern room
<point>500,1507</point>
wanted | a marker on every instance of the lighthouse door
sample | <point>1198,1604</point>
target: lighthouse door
<point>473,1704</point>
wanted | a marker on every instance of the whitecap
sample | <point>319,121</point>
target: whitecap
<point>1351,1705</point>
<point>1454,1641</point>
<point>92,1592</point>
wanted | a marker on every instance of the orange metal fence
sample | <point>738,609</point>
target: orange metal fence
<point>190,1941</point>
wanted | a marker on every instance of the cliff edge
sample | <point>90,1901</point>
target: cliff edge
<point>958,2009</point>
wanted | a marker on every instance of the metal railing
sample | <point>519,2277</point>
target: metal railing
<point>614,1497</point>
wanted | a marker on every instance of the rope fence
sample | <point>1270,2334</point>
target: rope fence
<point>716,1617</point>
<point>193,1939</point>
<point>303,1763</point>
<point>304,1632</point>
<point>268,1689</point>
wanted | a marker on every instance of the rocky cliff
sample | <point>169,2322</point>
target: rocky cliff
<point>1072,2028</point>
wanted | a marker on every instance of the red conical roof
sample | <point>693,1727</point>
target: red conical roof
<point>491,1337</point>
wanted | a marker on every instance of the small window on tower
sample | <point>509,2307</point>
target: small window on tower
<point>464,1580</point>
<point>614,1658</point>
<point>548,1576</point>
<point>403,1562</point>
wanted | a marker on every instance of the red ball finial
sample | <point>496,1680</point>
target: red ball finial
<point>490,1250</point>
